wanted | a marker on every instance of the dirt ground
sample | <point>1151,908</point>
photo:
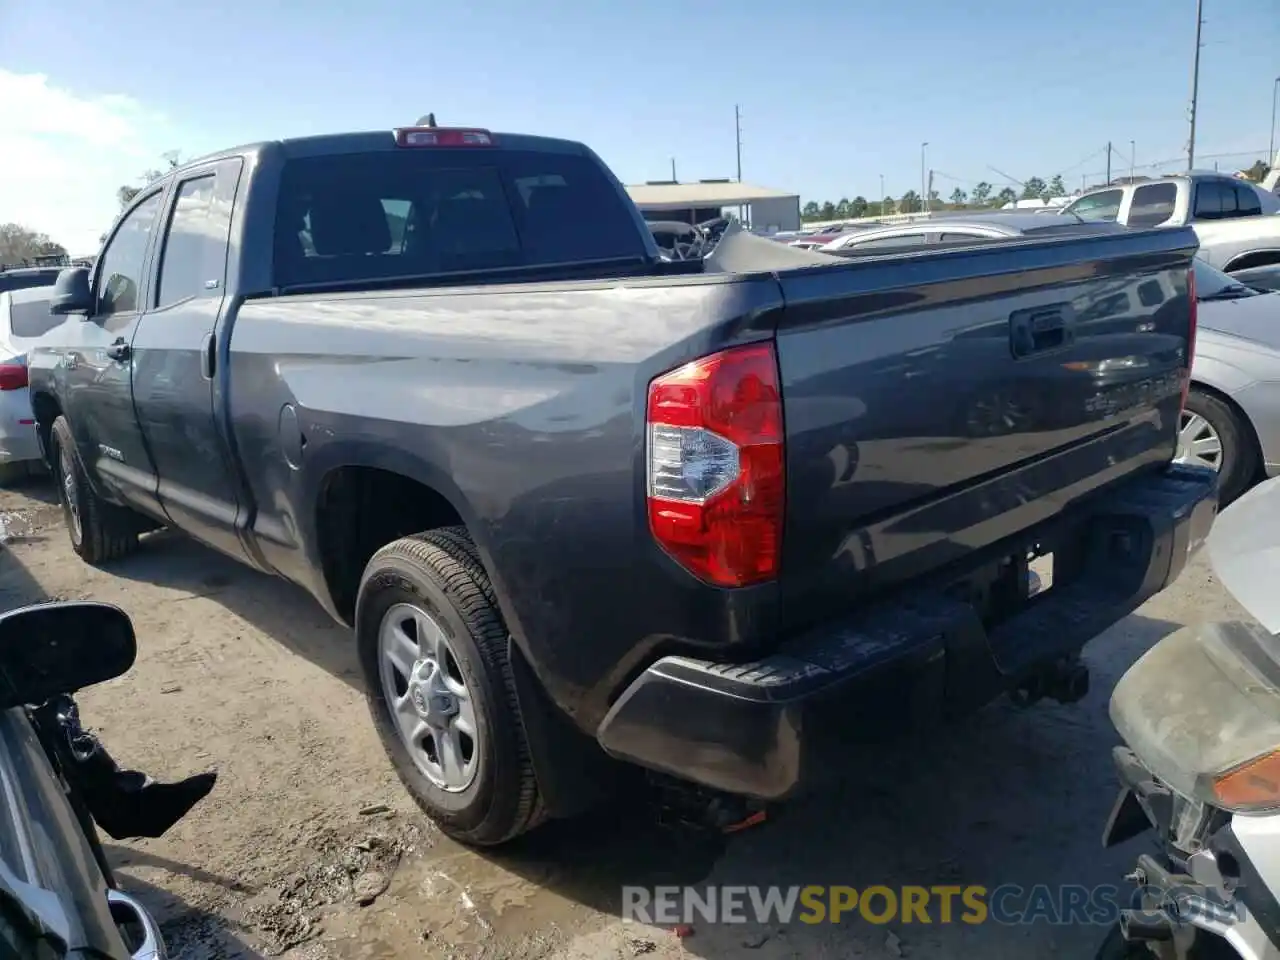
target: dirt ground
<point>308,848</point>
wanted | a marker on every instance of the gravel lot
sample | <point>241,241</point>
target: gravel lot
<point>245,674</point>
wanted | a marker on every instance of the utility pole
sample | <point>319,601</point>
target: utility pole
<point>673,170</point>
<point>924,188</point>
<point>1195,88</point>
<point>1271,151</point>
<point>737,127</point>
<point>1108,161</point>
<point>1133,156</point>
<point>882,195</point>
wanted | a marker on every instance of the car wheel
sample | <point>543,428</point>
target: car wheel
<point>99,531</point>
<point>433,650</point>
<point>1212,434</point>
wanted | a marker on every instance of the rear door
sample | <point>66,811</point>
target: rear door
<point>173,358</point>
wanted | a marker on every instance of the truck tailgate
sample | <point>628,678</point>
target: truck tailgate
<point>938,403</point>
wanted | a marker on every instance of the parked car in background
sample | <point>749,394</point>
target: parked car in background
<point>25,321</point>
<point>1234,220</point>
<point>948,230</point>
<point>1263,279</point>
<point>1231,421</point>
<point>20,278</point>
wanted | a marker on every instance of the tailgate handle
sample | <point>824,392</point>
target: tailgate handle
<point>1041,329</point>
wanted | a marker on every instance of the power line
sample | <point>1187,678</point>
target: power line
<point>1077,166</point>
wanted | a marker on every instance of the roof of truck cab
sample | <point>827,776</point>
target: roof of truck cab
<point>378,140</point>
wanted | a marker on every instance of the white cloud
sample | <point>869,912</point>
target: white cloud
<point>64,155</point>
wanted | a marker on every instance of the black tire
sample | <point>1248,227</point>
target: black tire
<point>440,573</point>
<point>1238,464</point>
<point>105,532</point>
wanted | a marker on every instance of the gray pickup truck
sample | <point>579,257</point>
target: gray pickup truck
<point>581,505</point>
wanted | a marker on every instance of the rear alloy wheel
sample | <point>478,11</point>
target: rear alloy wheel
<point>1211,434</point>
<point>428,696</point>
<point>433,649</point>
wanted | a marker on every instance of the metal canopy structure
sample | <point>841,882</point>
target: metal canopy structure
<point>705,193</point>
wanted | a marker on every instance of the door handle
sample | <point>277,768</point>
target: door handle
<point>119,350</point>
<point>1041,329</point>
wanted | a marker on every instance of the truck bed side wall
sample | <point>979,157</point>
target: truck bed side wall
<point>524,407</point>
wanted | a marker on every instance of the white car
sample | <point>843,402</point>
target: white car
<point>24,322</point>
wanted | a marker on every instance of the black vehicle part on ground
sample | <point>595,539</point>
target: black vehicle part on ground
<point>125,803</point>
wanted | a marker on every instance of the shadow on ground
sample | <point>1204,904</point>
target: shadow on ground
<point>189,932</point>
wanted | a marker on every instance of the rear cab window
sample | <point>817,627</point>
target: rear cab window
<point>419,212</point>
<point>1222,200</point>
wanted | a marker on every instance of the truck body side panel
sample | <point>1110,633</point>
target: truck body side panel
<point>524,407</point>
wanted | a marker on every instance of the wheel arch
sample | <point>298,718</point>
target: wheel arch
<point>1242,415</point>
<point>1252,258</point>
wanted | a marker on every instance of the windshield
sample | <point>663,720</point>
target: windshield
<point>1213,284</point>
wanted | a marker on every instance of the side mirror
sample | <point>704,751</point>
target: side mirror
<point>71,293</point>
<point>54,648</point>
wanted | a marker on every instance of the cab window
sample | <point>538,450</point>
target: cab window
<point>121,264</point>
<point>1098,206</point>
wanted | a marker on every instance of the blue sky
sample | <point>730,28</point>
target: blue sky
<point>834,93</point>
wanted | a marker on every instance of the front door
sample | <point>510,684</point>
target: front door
<point>173,356</point>
<point>98,401</point>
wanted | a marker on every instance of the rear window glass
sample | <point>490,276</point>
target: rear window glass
<point>25,279</point>
<point>1215,200</point>
<point>32,318</point>
<point>410,213</point>
<point>1153,204</point>
<point>1247,202</point>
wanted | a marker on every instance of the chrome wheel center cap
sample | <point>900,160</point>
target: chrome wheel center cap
<point>433,701</point>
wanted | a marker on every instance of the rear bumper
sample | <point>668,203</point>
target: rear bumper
<point>752,728</point>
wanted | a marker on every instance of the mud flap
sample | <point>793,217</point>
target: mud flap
<point>573,772</point>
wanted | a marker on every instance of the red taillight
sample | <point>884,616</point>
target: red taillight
<point>716,475</point>
<point>13,376</point>
<point>442,137</point>
<point>1191,334</point>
